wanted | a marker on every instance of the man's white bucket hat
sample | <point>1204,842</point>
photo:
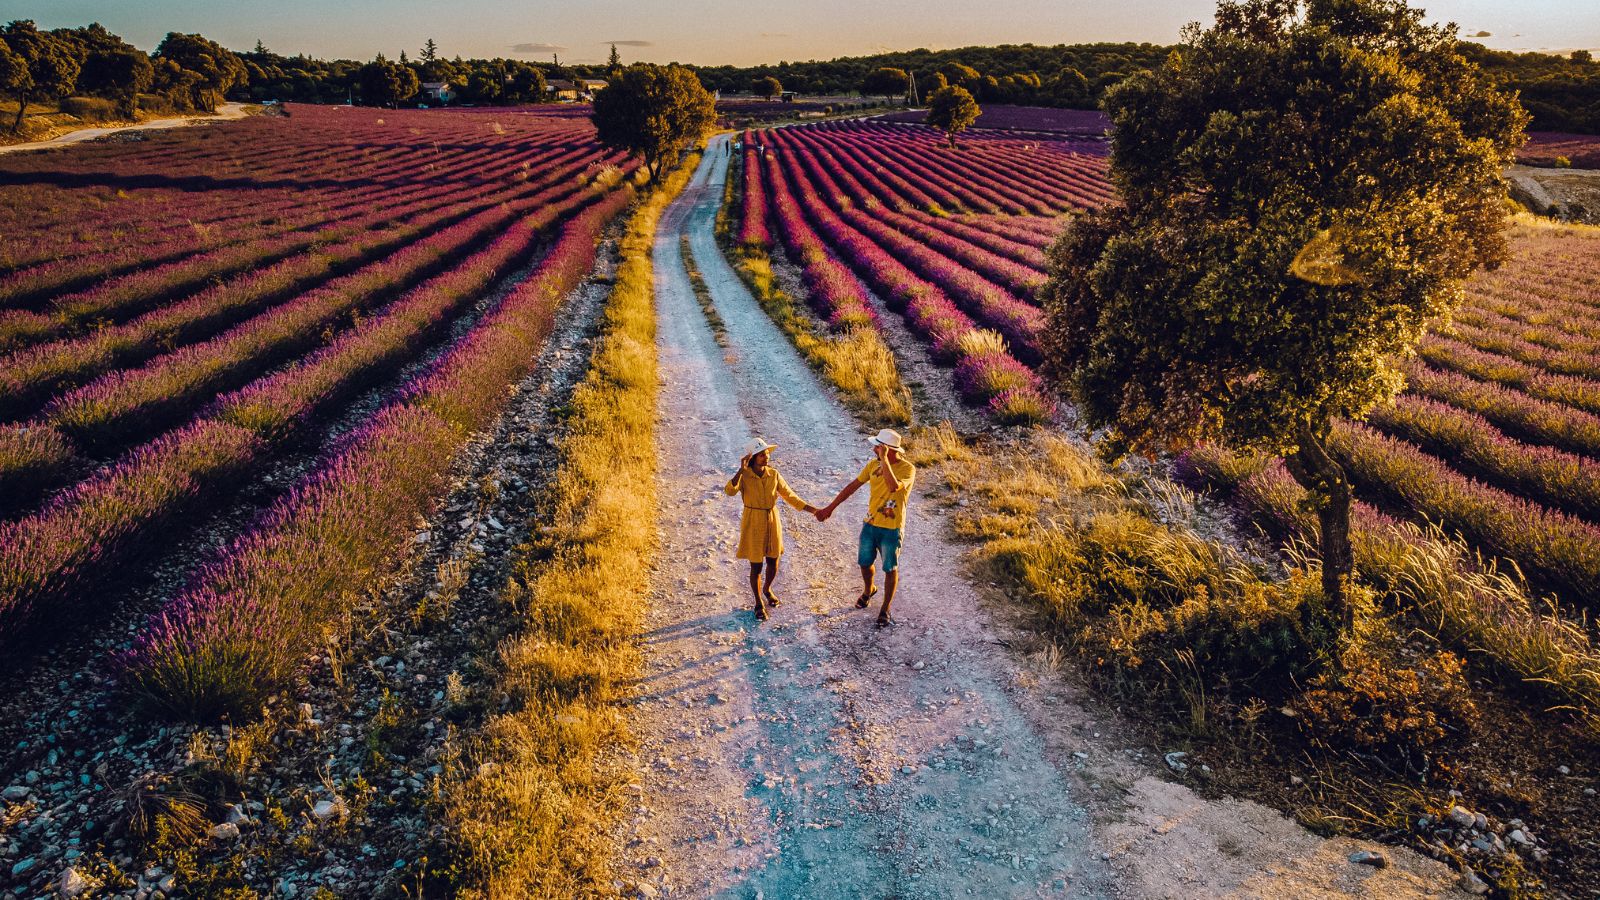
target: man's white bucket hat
<point>756,445</point>
<point>888,438</point>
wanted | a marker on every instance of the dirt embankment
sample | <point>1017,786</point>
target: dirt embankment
<point>1572,195</point>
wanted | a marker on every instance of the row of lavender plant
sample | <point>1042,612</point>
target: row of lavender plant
<point>1454,356</point>
<point>242,627</point>
<point>31,376</point>
<point>26,288</point>
<point>1558,479</point>
<point>986,372</point>
<point>49,560</point>
<point>1551,547</point>
<point>754,232</point>
<point>116,299</point>
<point>1514,412</point>
<point>1435,579</point>
<point>132,404</point>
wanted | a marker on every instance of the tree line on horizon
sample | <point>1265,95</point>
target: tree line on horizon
<point>188,72</point>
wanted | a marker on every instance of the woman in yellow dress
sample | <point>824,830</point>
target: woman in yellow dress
<point>760,532</point>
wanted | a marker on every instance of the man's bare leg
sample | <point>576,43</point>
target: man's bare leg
<point>867,590</point>
<point>891,580</point>
<point>772,574</point>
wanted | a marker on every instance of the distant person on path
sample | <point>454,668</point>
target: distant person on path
<point>888,477</point>
<point>760,532</point>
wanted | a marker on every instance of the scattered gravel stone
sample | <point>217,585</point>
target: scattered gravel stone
<point>1472,884</point>
<point>1175,761</point>
<point>1370,858</point>
<point>225,831</point>
<point>72,884</point>
<point>1461,817</point>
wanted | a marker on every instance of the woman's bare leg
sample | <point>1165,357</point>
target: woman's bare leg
<point>772,575</point>
<point>755,589</point>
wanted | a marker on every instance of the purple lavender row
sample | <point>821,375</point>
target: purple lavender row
<point>243,625</point>
<point>30,377</point>
<point>1555,549</point>
<point>49,560</point>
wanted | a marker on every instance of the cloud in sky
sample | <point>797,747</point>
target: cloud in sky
<point>537,48</point>
<point>774,34</point>
<point>631,43</point>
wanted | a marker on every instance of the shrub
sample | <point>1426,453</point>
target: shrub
<point>1380,701</point>
<point>1562,162</point>
<point>90,109</point>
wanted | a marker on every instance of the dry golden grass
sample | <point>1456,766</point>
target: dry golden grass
<point>533,799</point>
<point>856,361</point>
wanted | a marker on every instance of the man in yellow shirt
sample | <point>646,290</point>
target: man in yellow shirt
<point>888,478</point>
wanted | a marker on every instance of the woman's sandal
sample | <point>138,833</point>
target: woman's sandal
<point>761,612</point>
<point>771,599</point>
<point>884,621</point>
<point>864,599</point>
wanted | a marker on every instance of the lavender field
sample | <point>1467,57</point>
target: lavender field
<point>1497,439</point>
<point>221,297</point>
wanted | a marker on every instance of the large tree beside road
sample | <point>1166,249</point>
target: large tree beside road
<point>654,112</point>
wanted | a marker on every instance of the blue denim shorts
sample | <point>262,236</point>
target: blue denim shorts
<point>875,540</point>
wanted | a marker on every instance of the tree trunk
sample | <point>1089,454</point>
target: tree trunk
<point>22,106</point>
<point>1317,471</point>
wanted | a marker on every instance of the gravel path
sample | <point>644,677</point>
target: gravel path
<point>224,112</point>
<point>816,756</point>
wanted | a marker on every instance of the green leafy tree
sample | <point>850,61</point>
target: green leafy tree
<point>886,81</point>
<point>111,67</point>
<point>959,75</point>
<point>1306,186</point>
<point>218,69</point>
<point>767,87</point>
<point>654,112</point>
<point>527,83</point>
<point>952,110</point>
<point>1071,87</point>
<point>43,66</point>
<point>614,62</point>
<point>383,83</point>
<point>430,51</point>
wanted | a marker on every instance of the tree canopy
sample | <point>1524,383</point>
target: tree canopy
<point>951,110</point>
<point>216,68</point>
<point>39,64</point>
<point>384,83</point>
<point>766,86</point>
<point>1306,186</point>
<point>654,112</point>
<point>886,81</point>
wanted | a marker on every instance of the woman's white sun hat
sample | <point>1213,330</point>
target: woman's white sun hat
<point>756,445</point>
<point>888,438</point>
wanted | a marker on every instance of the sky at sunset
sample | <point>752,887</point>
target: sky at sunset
<point>740,32</point>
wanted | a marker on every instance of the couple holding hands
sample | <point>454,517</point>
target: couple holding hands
<point>888,478</point>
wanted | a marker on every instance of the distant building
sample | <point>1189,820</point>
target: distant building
<point>576,89</point>
<point>438,91</point>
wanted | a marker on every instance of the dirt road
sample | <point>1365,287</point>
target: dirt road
<point>224,112</point>
<point>816,756</point>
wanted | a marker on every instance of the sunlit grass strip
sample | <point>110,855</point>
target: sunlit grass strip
<point>241,629</point>
<point>531,807</point>
<point>1435,579</point>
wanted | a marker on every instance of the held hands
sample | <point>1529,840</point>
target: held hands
<point>823,513</point>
